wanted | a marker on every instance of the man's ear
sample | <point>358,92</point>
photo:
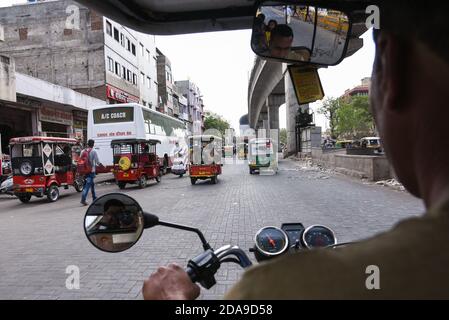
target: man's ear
<point>391,67</point>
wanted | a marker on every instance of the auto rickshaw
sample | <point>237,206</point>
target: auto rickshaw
<point>135,161</point>
<point>205,158</point>
<point>261,155</point>
<point>41,165</point>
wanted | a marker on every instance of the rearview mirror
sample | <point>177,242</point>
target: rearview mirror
<point>300,34</point>
<point>114,222</point>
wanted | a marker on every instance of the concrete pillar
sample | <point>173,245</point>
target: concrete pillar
<point>292,107</point>
<point>273,103</point>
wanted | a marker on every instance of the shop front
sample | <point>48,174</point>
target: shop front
<point>14,122</point>
<point>80,125</point>
<point>116,95</point>
<point>55,122</point>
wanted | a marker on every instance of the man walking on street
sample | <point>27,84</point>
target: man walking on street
<point>91,157</point>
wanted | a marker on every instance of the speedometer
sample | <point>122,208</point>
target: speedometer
<point>271,241</point>
<point>317,236</point>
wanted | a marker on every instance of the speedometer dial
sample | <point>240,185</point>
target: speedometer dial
<point>317,236</point>
<point>271,241</point>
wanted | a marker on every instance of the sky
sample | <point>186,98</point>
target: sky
<point>220,63</point>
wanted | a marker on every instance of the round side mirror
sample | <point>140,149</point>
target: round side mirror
<point>114,222</point>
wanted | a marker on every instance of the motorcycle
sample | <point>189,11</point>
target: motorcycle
<point>115,222</point>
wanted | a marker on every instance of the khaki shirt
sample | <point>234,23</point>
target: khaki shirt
<point>413,261</point>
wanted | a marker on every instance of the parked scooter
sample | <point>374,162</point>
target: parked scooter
<point>115,222</point>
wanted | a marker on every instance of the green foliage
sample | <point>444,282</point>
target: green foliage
<point>329,110</point>
<point>215,121</point>
<point>283,136</point>
<point>354,118</point>
<point>349,118</point>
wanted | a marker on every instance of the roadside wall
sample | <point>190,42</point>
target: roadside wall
<point>374,168</point>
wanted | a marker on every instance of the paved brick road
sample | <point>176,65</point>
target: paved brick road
<point>39,240</point>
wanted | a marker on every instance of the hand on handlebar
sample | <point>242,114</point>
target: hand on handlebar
<point>170,283</point>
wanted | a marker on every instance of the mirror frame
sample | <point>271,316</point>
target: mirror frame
<point>113,194</point>
<point>310,4</point>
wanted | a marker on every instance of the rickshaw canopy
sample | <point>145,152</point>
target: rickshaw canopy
<point>36,139</point>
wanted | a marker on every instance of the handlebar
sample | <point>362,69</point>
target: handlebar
<point>203,267</point>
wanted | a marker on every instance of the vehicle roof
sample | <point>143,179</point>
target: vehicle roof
<point>36,139</point>
<point>260,140</point>
<point>130,141</point>
<point>205,137</point>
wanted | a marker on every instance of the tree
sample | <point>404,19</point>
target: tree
<point>215,121</point>
<point>283,136</point>
<point>329,110</point>
<point>354,118</point>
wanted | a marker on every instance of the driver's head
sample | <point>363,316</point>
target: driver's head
<point>409,92</point>
<point>281,40</point>
<point>113,206</point>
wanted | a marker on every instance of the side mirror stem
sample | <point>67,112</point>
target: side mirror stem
<point>206,245</point>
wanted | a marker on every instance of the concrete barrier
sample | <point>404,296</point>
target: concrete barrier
<point>374,168</point>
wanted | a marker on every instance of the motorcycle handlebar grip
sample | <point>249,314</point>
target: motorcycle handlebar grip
<point>192,274</point>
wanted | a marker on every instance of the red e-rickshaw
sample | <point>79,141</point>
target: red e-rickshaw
<point>205,158</point>
<point>135,161</point>
<point>41,165</point>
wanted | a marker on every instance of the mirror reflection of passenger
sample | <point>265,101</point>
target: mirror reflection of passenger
<point>271,25</point>
<point>259,42</point>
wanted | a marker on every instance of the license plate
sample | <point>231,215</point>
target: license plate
<point>29,190</point>
<point>126,175</point>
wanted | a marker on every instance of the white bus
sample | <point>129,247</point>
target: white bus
<point>133,121</point>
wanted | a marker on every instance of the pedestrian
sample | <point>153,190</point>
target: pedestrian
<point>91,158</point>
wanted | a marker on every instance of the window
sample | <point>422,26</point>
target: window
<point>116,34</point>
<point>133,49</point>
<point>128,75</point>
<point>144,103</point>
<point>118,69</point>
<point>110,64</point>
<point>124,72</point>
<point>134,79</point>
<point>142,76</point>
<point>148,82</point>
<point>148,56</point>
<point>122,39</point>
<point>142,49</point>
<point>128,44</point>
<point>108,28</point>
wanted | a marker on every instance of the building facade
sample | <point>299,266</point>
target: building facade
<point>166,86</point>
<point>195,105</point>
<point>31,106</point>
<point>72,46</point>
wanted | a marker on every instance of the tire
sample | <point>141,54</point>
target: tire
<point>26,164</point>
<point>121,185</point>
<point>181,175</point>
<point>24,198</point>
<point>192,181</point>
<point>158,178</point>
<point>214,180</point>
<point>251,171</point>
<point>53,193</point>
<point>142,181</point>
<point>78,184</point>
